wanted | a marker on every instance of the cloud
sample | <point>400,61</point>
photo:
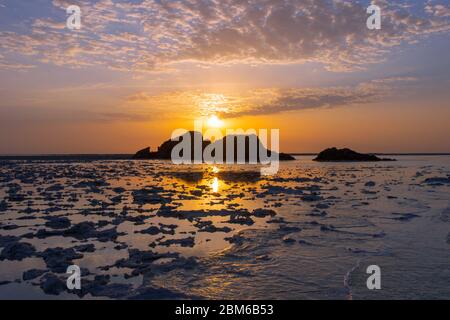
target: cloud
<point>150,35</point>
<point>438,10</point>
<point>266,101</point>
<point>6,64</point>
<point>296,99</point>
<point>138,97</point>
<point>46,115</point>
<point>15,66</point>
<point>143,106</point>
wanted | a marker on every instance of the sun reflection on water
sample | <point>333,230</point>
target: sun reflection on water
<point>215,185</point>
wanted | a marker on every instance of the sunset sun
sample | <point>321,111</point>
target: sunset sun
<point>214,122</point>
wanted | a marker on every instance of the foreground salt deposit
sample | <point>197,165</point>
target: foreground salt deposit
<point>155,230</point>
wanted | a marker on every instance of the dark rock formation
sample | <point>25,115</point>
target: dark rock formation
<point>51,284</point>
<point>32,274</point>
<point>286,157</point>
<point>17,251</point>
<point>57,222</point>
<point>165,150</point>
<point>334,154</point>
<point>145,154</point>
<point>85,248</point>
<point>5,240</point>
<point>437,180</point>
<point>247,141</point>
<point>58,259</point>
<point>3,206</point>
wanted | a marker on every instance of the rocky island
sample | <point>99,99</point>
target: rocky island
<point>335,155</point>
<point>164,151</point>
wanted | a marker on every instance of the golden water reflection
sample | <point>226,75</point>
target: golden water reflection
<point>215,185</point>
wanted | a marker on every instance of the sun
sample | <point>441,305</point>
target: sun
<point>214,122</point>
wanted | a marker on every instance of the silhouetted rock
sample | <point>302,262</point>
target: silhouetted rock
<point>334,154</point>
<point>247,153</point>
<point>286,157</point>
<point>165,150</point>
<point>144,154</point>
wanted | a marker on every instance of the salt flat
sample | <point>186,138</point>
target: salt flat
<point>154,230</point>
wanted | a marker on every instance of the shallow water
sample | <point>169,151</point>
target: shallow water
<point>323,225</point>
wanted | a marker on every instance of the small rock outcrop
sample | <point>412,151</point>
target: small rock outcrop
<point>334,154</point>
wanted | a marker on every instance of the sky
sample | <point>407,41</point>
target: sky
<point>139,69</point>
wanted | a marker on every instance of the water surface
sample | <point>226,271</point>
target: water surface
<point>225,232</point>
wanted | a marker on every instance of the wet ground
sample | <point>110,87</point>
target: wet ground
<point>153,230</point>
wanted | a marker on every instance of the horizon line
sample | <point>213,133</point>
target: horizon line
<point>131,154</point>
